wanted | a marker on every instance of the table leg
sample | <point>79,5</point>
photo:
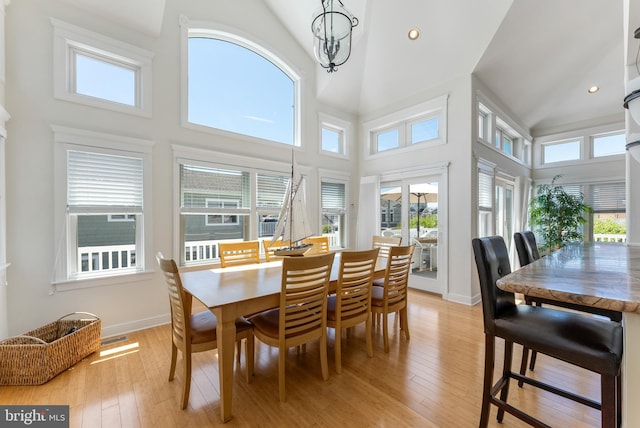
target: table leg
<point>226,333</point>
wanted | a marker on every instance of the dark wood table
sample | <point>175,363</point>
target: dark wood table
<point>236,291</point>
<point>603,275</point>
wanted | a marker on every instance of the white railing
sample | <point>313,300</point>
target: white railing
<point>610,237</point>
<point>106,257</point>
<point>114,257</point>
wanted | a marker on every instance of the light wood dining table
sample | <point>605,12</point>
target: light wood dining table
<point>603,275</point>
<point>238,291</point>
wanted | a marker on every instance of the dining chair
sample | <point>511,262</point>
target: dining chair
<point>527,249</point>
<point>191,333</point>
<point>320,245</point>
<point>392,295</point>
<point>269,248</point>
<point>239,253</point>
<point>351,304</point>
<point>384,243</point>
<point>592,343</point>
<point>302,314</point>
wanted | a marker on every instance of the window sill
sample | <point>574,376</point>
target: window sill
<point>100,281</point>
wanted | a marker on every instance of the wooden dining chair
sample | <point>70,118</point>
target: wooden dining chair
<point>392,295</point>
<point>384,243</point>
<point>319,245</point>
<point>351,304</point>
<point>269,249</point>
<point>239,253</point>
<point>191,333</point>
<point>592,343</point>
<point>302,314</point>
<point>527,250</point>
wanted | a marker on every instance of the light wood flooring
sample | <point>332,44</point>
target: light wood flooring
<point>432,380</point>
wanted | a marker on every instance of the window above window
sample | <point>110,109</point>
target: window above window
<point>424,124</point>
<point>235,85</point>
<point>608,145</point>
<point>559,152</point>
<point>98,71</point>
<point>333,135</point>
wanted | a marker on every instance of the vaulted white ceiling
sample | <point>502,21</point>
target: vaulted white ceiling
<point>538,57</point>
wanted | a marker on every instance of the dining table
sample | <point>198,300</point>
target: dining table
<point>598,274</point>
<point>237,291</point>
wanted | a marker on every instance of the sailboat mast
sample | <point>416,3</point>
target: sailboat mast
<point>291,195</point>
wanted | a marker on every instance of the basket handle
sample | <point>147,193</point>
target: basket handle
<point>78,313</point>
<point>37,339</point>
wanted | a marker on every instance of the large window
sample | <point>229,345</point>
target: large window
<point>95,70</point>
<point>219,203</point>
<point>235,85</point>
<point>103,202</point>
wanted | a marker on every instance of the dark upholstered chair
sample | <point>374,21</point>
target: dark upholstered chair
<point>591,343</point>
<point>527,249</point>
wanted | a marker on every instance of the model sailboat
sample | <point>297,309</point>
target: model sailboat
<point>293,224</point>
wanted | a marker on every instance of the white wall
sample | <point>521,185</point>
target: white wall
<point>457,152</point>
<point>30,170</point>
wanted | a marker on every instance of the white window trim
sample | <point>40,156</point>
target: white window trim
<point>333,123</point>
<point>238,37</point>
<point>586,149</point>
<point>68,138</point>
<point>68,38</point>
<point>497,118</point>
<point>436,107</point>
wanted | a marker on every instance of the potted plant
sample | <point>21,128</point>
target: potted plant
<point>556,216</point>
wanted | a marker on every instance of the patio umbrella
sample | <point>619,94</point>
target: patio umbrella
<point>423,192</point>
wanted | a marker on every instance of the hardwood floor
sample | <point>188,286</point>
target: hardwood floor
<point>432,380</point>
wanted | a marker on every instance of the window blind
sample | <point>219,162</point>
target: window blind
<point>333,196</point>
<point>197,184</point>
<point>270,190</point>
<point>485,190</point>
<point>608,197</point>
<point>103,183</point>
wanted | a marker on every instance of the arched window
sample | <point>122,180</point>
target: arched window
<point>237,86</point>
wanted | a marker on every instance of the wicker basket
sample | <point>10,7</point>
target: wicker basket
<point>41,354</point>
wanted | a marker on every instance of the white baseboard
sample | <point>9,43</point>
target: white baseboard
<point>128,327</point>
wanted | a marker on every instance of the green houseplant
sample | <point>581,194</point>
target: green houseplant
<point>556,216</point>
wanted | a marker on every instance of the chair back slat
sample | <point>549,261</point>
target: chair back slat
<point>239,253</point>
<point>269,249</point>
<point>319,245</point>
<point>303,300</point>
<point>353,291</point>
<point>384,243</point>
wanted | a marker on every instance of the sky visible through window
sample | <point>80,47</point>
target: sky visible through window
<point>92,76</point>
<point>235,89</point>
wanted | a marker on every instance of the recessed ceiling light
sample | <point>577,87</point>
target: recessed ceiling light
<point>593,89</point>
<point>414,33</point>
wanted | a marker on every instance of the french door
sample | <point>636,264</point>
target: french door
<point>414,208</point>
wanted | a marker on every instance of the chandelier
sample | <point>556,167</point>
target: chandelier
<point>331,27</point>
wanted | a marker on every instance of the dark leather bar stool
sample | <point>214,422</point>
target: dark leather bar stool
<point>527,249</point>
<point>591,343</point>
